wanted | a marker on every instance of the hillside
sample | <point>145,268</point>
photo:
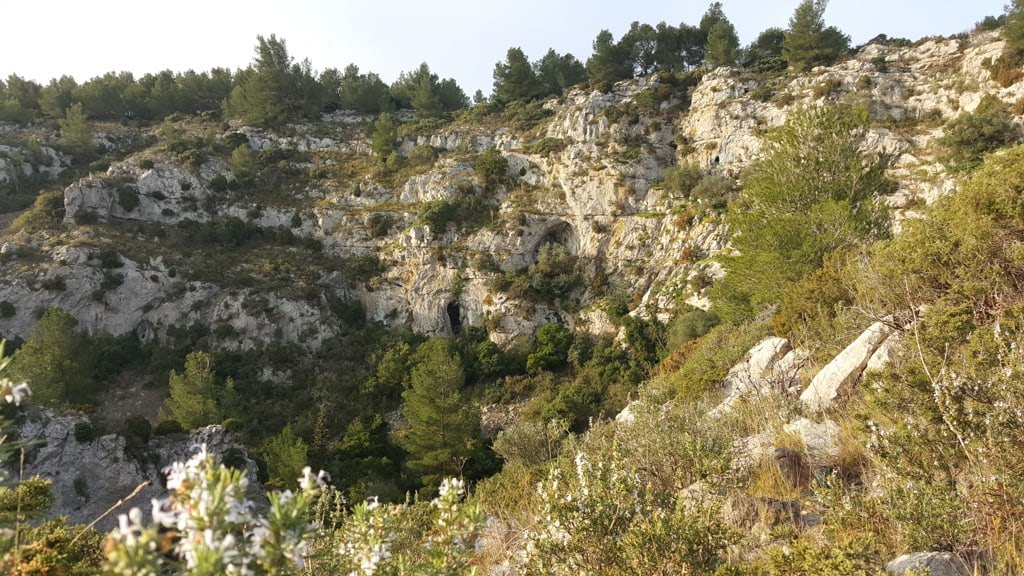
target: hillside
<point>641,388</point>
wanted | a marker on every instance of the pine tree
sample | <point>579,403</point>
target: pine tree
<point>444,428</point>
<point>610,62</point>
<point>515,79</point>
<point>808,43</point>
<point>55,361</point>
<point>286,455</point>
<point>196,397</point>
<point>385,136</point>
<point>723,45</point>
<point>814,193</point>
<point>76,134</point>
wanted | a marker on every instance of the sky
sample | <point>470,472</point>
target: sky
<point>460,39</point>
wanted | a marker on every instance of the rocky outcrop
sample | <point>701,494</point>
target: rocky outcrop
<point>770,366</point>
<point>934,563</point>
<point>89,474</point>
<point>845,369</point>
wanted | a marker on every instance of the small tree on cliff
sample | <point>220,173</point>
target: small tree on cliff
<point>197,398</point>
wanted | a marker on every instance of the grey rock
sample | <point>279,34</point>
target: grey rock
<point>934,563</point>
<point>89,478</point>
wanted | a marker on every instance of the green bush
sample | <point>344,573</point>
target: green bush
<point>714,190</point>
<point>423,155</point>
<point>492,166</point>
<point>681,179</point>
<point>436,215</point>
<point>972,134</point>
<point>85,432</point>
<point>127,197</point>
<point>380,224</point>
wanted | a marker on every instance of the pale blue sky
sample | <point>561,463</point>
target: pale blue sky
<point>462,39</point>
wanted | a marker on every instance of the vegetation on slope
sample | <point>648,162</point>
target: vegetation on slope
<point>929,445</point>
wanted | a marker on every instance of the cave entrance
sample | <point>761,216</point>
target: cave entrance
<point>454,317</point>
<point>560,233</point>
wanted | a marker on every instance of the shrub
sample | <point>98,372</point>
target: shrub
<point>423,155</point>
<point>380,224</point>
<point>437,214</point>
<point>85,432</point>
<point>492,167</point>
<point>715,190</point>
<point>127,197</point>
<point>219,183</point>
<point>7,309</point>
<point>972,134</point>
<point>146,164</point>
<point>827,88</point>
<point>682,178</point>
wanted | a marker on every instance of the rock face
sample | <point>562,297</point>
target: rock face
<point>588,177</point>
<point>90,476</point>
<point>934,563</point>
<point>845,369</point>
<point>770,366</point>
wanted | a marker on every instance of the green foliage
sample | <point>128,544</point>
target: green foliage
<point>492,167</point>
<point>815,299</point>
<point>688,326</point>
<point>379,224</point>
<point>556,273</point>
<point>682,178</point>
<point>515,79</point>
<point>707,360</point>
<point>550,348</point>
<point>813,194</point>
<point>972,134</point>
<point>47,213</point>
<point>557,72</point>
<point>29,498</point>
<point>444,427</point>
<point>243,163</point>
<point>365,93</point>
<point>714,190</point>
<point>274,90</point>
<point>723,44</point>
<point>437,214</point>
<point>76,135</point>
<point>54,547</point>
<point>286,455</point>
<point>808,43</point>
<point>764,54</point>
<point>197,399</point>
<point>531,443</point>
<point>618,509</point>
<point>427,94</point>
<point>610,61</point>
<point>1013,28</point>
<point>57,361</point>
<point>385,136</point>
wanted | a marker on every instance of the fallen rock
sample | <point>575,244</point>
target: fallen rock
<point>845,369</point>
<point>770,366</point>
<point>821,440</point>
<point>745,512</point>
<point>934,563</point>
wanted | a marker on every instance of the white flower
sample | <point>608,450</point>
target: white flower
<point>17,394</point>
<point>309,482</point>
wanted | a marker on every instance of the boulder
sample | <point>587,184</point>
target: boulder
<point>934,563</point>
<point>90,475</point>
<point>843,371</point>
<point>821,440</point>
<point>770,366</point>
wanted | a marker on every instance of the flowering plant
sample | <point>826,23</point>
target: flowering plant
<point>207,526</point>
